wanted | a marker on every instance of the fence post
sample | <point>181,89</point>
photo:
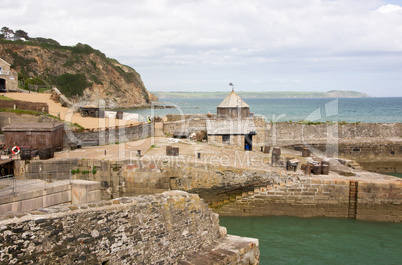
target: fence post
<point>14,186</point>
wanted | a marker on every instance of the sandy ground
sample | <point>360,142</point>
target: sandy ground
<point>67,114</point>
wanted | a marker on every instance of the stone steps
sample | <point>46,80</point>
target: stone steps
<point>249,194</point>
<point>159,129</point>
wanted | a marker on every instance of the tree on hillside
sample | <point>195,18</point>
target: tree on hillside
<point>21,34</point>
<point>6,32</point>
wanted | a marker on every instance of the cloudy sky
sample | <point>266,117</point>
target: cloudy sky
<point>258,45</point>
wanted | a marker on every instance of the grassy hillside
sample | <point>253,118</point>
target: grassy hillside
<point>78,71</point>
<point>266,94</point>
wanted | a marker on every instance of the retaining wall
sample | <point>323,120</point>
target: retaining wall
<point>7,118</point>
<point>113,135</point>
<point>170,228</point>
<point>24,105</point>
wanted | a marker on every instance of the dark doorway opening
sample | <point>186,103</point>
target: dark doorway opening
<point>248,142</point>
<point>2,85</point>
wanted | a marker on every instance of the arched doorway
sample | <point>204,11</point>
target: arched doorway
<point>2,85</point>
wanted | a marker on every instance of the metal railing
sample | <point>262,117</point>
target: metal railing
<point>11,185</point>
<point>7,182</point>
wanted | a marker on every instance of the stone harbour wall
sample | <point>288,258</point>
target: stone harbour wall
<point>379,201</point>
<point>301,132</point>
<point>160,229</point>
<point>271,132</point>
<point>302,197</point>
<point>375,200</point>
<point>138,177</point>
<point>245,191</point>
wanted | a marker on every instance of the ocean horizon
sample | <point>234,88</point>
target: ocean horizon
<point>371,110</point>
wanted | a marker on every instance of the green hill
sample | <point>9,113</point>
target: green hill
<point>79,71</point>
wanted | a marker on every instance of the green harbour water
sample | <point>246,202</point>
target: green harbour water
<point>293,240</point>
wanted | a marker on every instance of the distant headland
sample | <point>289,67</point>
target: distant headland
<point>264,94</point>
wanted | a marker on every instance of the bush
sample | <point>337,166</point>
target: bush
<point>33,81</point>
<point>71,84</point>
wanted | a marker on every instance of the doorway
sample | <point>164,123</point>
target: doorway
<point>2,85</point>
<point>248,142</point>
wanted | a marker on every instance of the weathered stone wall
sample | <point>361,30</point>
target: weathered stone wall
<point>382,156</point>
<point>379,201</point>
<point>192,125</point>
<point>178,117</point>
<point>113,135</point>
<point>301,132</point>
<point>24,105</point>
<point>143,176</point>
<point>282,193</point>
<point>303,197</point>
<point>167,228</point>
<point>7,118</point>
<point>315,196</point>
<point>270,132</point>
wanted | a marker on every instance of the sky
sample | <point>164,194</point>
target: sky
<point>258,45</point>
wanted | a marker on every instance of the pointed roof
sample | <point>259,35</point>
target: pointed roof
<point>233,101</point>
<point>5,62</point>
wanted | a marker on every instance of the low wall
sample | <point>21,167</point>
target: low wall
<point>24,105</point>
<point>296,132</point>
<point>170,228</point>
<point>7,118</point>
<point>113,135</point>
<point>178,117</point>
<point>34,195</point>
<point>376,155</point>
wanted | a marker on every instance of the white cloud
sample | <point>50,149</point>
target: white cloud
<point>389,8</point>
<point>236,39</point>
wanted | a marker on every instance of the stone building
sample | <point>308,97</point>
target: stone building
<point>234,124</point>
<point>8,77</point>
<point>34,135</point>
<point>233,106</point>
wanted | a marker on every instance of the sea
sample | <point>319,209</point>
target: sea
<point>384,110</point>
<point>292,240</point>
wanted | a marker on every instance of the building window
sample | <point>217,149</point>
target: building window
<point>226,139</point>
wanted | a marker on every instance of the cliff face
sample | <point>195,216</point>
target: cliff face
<point>79,71</point>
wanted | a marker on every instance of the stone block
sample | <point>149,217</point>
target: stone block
<point>85,191</point>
